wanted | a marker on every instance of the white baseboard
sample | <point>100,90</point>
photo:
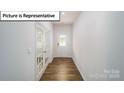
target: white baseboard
<point>78,67</point>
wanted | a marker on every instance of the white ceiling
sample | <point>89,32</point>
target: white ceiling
<point>68,17</point>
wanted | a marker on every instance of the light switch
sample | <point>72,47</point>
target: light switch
<point>29,50</point>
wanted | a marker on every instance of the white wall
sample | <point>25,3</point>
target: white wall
<point>98,45</point>
<point>15,61</point>
<point>62,29</point>
<point>16,38</point>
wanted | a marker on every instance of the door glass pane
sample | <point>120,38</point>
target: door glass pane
<point>62,40</point>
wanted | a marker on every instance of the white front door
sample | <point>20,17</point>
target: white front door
<point>62,45</point>
<point>62,42</point>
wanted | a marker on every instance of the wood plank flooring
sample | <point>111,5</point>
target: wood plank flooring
<point>61,69</point>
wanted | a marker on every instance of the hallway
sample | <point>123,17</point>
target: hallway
<point>61,69</point>
<point>94,40</point>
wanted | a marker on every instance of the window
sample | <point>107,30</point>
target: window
<point>62,40</point>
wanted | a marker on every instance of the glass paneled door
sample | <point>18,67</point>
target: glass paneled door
<point>40,45</point>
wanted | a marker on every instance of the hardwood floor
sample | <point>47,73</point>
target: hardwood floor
<point>61,69</point>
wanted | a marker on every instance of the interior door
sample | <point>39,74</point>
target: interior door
<point>42,49</point>
<point>40,45</point>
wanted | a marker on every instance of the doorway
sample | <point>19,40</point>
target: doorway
<point>62,41</point>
